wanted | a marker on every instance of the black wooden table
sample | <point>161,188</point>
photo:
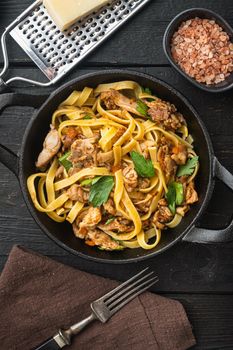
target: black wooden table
<point>200,276</point>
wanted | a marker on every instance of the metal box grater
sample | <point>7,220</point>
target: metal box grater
<point>56,52</point>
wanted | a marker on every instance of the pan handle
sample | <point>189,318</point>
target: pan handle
<point>7,157</point>
<point>3,87</point>
<point>201,235</point>
<point>14,99</point>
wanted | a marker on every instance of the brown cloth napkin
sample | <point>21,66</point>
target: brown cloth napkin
<point>39,295</point>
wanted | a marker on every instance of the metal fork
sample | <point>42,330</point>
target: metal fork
<point>104,308</point>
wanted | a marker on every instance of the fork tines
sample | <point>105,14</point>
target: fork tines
<point>118,297</point>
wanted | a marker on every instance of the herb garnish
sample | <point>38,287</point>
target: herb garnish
<point>174,195</point>
<point>110,220</point>
<point>65,162</point>
<point>92,181</point>
<point>101,190</point>
<point>142,108</point>
<point>147,91</point>
<point>142,166</point>
<point>188,168</point>
<point>86,117</point>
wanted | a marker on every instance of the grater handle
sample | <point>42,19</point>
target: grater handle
<point>3,85</point>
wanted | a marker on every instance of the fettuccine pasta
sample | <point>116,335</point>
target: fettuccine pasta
<point>118,164</point>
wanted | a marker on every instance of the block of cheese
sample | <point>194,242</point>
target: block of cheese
<point>66,12</point>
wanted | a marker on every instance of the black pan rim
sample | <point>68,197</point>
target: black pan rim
<point>133,74</point>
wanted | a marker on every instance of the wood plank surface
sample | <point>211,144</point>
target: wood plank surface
<point>209,316</point>
<point>140,39</point>
<point>199,276</point>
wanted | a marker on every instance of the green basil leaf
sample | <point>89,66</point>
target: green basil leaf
<point>87,117</point>
<point>142,108</point>
<point>96,179</point>
<point>92,181</point>
<point>179,193</point>
<point>65,162</point>
<point>86,182</point>
<point>101,190</point>
<point>174,196</point>
<point>148,91</point>
<point>109,220</point>
<point>143,167</point>
<point>171,198</point>
<point>188,168</point>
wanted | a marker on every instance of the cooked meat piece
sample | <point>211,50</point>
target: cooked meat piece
<point>102,240</point>
<point>124,221</point>
<point>146,224</point>
<point>73,192</point>
<point>183,179</point>
<point>76,193</point>
<point>96,135</point>
<point>80,233</point>
<point>76,168</point>
<point>104,159</point>
<point>91,219</point>
<point>109,207</point>
<point>143,183</point>
<point>144,147</point>
<point>182,210</point>
<point>180,154</point>
<point>162,152</point>
<point>119,225</point>
<point>190,194</point>
<point>87,220</point>
<point>159,225</point>
<point>162,216</point>
<point>165,115</point>
<point>162,202</point>
<point>130,178</point>
<point>84,153</point>
<point>108,99</point>
<point>113,99</point>
<point>69,136</point>
<point>51,146</point>
<point>118,134</point>
<point>168,165</point>
<point>136,196</point>
<point>163,141</point>
<point>59,173</point>
<point>80,148</point>
<point>144,205</point>
<point>115,168</point>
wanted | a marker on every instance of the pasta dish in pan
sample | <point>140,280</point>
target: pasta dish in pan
<point>118,164</point>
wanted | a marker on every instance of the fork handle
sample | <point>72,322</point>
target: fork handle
<point>63,337</point>
<point>59,341</point>
<point>49,344</point>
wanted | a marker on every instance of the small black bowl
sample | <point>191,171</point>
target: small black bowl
<point>172,28</point>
